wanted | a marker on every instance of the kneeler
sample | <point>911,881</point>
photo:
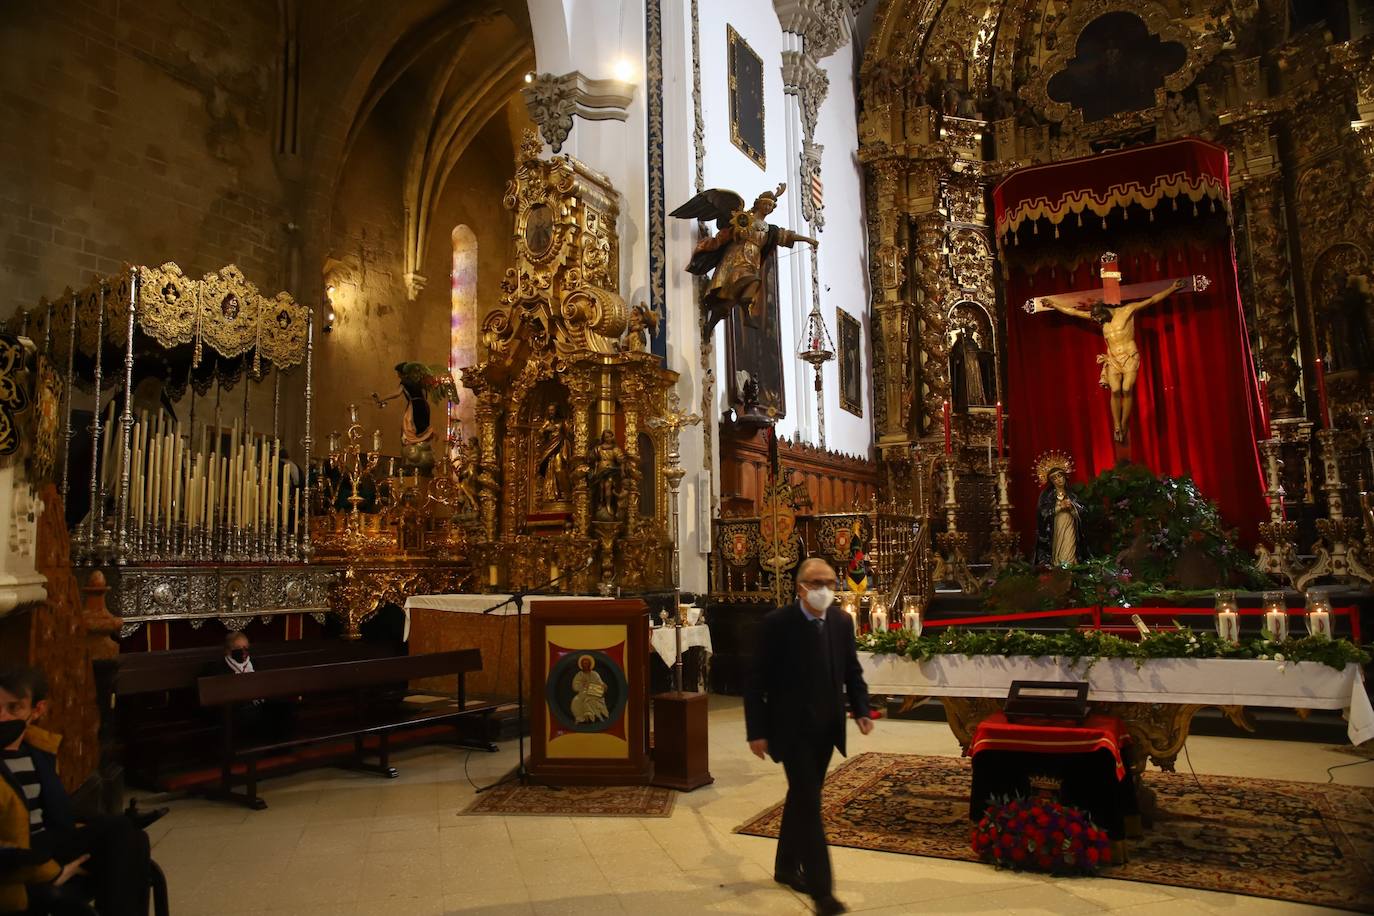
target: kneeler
<point>1087,766</point>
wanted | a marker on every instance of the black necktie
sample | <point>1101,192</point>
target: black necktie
<point>824,645</point>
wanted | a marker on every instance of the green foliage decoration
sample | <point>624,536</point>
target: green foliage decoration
<point>1158,541</point>
<point>1087,646</point>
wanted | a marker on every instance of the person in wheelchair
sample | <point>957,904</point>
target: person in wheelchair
<point>51,862</point>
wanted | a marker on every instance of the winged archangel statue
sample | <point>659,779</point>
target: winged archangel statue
<point>738,252</point>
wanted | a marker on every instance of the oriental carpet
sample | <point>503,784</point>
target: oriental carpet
<point>1303,842</point>
<point>575,801</point>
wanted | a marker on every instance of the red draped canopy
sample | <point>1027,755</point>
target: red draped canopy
<point>1164,209</point>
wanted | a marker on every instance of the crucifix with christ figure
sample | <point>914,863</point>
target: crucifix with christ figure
<point>1104,305</point>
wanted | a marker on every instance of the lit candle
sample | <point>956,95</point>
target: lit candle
<point>1228,620</point>
<point>949,448</point>
<point>1275,621</point>
<point>877,617</point>
<point>1318,613</point>
<point>1321,394</point>
<point>1000,448</point>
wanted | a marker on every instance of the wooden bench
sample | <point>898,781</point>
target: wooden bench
<point>158,716</point>
<point>375,711</point>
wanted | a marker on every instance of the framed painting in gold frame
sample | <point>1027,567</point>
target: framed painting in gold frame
<point>850,334</point>
<point>746,97</point>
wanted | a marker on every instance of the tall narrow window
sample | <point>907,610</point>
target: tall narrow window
<point>462,347</point>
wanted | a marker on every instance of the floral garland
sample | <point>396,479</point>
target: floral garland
<point>1090,645</point>
<point>1040,835</point>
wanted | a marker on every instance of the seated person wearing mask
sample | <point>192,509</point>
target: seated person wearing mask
<point>53,862</point>
<point>259,720</point>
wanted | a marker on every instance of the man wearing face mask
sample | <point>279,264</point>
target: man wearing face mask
<point>266,720</point>
<point>805,667</point>
<point>55,860</point>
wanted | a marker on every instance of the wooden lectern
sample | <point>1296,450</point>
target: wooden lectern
<point>589,709</point>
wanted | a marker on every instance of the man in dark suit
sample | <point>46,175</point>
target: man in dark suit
<point>794,710</point>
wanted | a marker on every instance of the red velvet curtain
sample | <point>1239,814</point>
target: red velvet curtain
<point>1196,399</point>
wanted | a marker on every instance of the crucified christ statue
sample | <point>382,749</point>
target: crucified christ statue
<point>1121,362</point>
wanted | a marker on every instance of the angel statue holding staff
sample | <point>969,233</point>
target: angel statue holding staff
<point>738,253</point>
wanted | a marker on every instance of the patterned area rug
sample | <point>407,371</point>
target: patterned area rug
<point>576,801</point>
<point>1304,842</point>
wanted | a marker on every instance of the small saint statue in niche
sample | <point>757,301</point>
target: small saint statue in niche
<point>555,450</point>
<point>966,358</point>
<point>609,467</point>
<point>1059,514</point>
<point>589,693</point>
<point>466,467</point>
<point>738,252</point>
<point>1348,325</point>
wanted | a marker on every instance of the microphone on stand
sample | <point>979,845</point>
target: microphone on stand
<point>523,593</point>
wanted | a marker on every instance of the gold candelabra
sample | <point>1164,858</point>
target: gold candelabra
<point>353,463</point>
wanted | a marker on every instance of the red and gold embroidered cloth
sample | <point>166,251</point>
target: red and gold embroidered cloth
<point>1096,733</point>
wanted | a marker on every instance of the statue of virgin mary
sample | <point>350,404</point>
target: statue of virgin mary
<point>1059,514</point>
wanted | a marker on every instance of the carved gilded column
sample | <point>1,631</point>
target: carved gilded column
<point>488,412</point>
<point>930,320</point>
<point>889,275</point>
<point>1273,294</point>
<point>580,396</point>
<point>632,391</point>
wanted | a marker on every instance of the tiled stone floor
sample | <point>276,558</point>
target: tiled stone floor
<point>347,844</point>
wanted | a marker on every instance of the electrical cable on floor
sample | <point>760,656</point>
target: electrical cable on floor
<point>1331,777</point>
<point>1194,772</point>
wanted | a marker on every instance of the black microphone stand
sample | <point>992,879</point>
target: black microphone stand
<point>521,772</point>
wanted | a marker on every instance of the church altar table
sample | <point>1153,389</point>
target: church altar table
<point>665,643</point>
<point>1156,700</point>
<point>440,623</point>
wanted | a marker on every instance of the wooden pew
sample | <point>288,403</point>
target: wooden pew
<point>158,714</point>
<point>374,713</point>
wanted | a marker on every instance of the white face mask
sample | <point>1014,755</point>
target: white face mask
<point>819,599</point>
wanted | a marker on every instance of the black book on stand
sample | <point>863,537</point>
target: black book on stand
<point>1065,701</point>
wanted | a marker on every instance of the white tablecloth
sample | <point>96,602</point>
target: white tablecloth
<point>477,604</point>
<point>665,643</point>
<point>1213,681</point>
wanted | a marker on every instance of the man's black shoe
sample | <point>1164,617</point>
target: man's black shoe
<point>793,880</point>
<point>829,906</point>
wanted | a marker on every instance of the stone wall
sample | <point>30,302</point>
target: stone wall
<point>139,132</point>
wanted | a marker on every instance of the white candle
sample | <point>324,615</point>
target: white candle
<point>154,478</point>
<point>1319,624</point>
<point>274,491</point>
<point>877,619</point>
<point>1276,622</point>
<point>211,503</point>
<point>1228,626</point>
<point>912,621</point>
<point>283,505</point>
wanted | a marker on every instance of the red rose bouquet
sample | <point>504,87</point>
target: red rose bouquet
<point>1040,835</point>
